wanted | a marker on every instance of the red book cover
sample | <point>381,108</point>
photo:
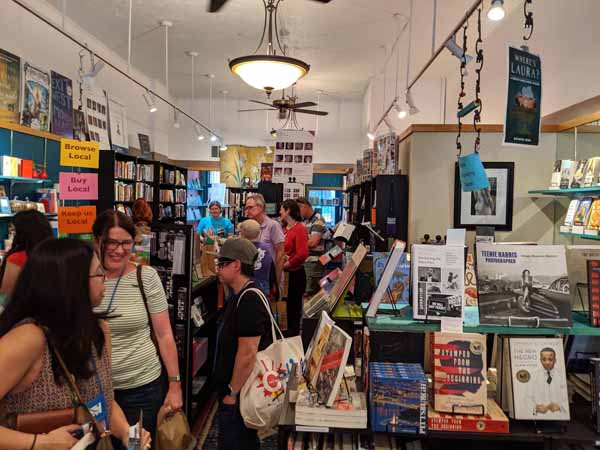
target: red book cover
<point>495,421</point>
<point>593,270</point>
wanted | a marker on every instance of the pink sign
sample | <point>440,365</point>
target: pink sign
<point>78,186</point>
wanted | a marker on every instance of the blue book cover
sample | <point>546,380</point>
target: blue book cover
<point>399,287</point>
<point>61,119</point>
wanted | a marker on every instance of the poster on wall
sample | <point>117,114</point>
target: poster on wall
<point>10,86</point>
<point>61,120</point>
<point>523,99</point>
<point>118,125</point>
<point>239,162</point>
<point>292,191</point>
<point>35,111</point>
<point>96,112</point>
<point>294,157</point>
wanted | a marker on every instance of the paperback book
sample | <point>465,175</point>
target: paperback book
<point>523,285</point>
<point>582,212</point>
<point>577,257</point>
<point>593,219</point>
<point>438,281</point>
<point>399,288</point>
<point>570,216</point>
<point>61,120</point>
<point>592,171</point>
<point>393,276</point>
<point>566,172</point>
<point>314,352</point>
<point>10,86</point>
<point>593,272</point>
<point>35,110</point>
<point>332,364</point>
<point>459,368</point>
<point>494,421</point>
<point>579,174</point>
<point>538,380</point>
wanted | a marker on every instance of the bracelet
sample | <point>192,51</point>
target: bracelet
<point>34,441</point>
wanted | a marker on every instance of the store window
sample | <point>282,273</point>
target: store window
<point>328,203</point>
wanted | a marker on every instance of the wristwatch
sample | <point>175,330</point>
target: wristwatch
<point>232,392</point>
<point>175,379</point>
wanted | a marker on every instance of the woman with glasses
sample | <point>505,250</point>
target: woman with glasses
<point>136,359</point>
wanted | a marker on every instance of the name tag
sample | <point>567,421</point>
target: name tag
<point>98,409</point>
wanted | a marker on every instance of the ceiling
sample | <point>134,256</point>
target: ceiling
<point>342,41</point>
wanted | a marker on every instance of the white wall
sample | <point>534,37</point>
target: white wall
<point>25,35</point>
<point>431,194</point>
<point>338,134</point>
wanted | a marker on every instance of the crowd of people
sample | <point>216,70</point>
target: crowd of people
<point>107,317</point>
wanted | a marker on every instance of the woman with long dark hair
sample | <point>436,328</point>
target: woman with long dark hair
<point>51,310</point>
<point>135,359</point>
<point>296,251</point>
<point>31,228</point>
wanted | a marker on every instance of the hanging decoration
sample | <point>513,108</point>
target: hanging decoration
<point>522,123</point>
<point>472,173</point>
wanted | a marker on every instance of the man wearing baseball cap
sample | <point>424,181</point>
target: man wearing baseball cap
<point>243,330</point>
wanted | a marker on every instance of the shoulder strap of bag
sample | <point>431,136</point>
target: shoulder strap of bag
<point>140,281</point>
<point>265,302</point>
<point>99,427</point>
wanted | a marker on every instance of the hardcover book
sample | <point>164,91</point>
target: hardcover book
<point>592,171</point>
<point>567,167</point>
<point>459,368</point>
<point>10,86</point>
<point>398,398</point>
<point>577,257</point>
<point>495,421</point>
<point>61,120</point>
<point>392,280</point>
<point>593,272</point>
<point>570,216</point>
<point>523,285</point>
<point>399,288</point>
<point>538,379</point>
<point>579,174</point>
<point>333,362</point>
<point>555,180</point>
<point>314,352</point>
<point>593,219</point>
<point>35,111</point>
<point>438,276</point>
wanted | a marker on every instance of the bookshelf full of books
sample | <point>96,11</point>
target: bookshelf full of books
<point>172,195</point>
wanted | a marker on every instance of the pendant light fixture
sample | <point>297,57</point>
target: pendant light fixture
<point>269,71</point>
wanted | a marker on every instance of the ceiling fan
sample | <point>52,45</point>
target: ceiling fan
<point>216,5</point>
<point>286,105</point>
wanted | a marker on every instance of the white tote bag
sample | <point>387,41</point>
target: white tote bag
<point>262,396</point>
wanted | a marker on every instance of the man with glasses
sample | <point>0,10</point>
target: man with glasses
<point>271,233</point>
<point>243,330</point>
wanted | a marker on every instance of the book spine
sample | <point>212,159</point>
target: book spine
<point>595,391</point>
<point>467,424</point>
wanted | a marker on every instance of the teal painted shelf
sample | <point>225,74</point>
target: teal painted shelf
<point>580,327</point>
<point>24,179</point>
<point>582,236</point>
<point>567,192</point>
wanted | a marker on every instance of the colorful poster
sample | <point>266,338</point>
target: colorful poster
<point>78,186</point>
<point>79,154</point>
<point>35,112</point>
<point>294,151</point>
<point>239,162</point>
<point>10,86</point>
<point>61,120</point>
<point>523,99</point>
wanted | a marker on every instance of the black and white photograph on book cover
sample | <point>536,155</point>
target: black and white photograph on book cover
<point>487,207</point>
<point>523,285</point>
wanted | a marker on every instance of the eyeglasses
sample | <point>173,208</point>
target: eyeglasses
<point>248,207</point>
<point>111,245</point>
<point>223,263</point>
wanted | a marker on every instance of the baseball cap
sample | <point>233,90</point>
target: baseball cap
<point>240,249</point>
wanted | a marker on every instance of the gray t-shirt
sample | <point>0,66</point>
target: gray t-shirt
<point>271,234</point>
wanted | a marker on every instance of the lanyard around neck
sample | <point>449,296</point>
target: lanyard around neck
<point>112,297</point>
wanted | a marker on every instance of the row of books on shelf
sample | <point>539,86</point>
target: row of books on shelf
<point>170,176</point>
<point>317,201</point>
<point>124,192</point>
<point>135,172</point>
<point>12,166</point>
<point>571,174</point>
<point>346,441</point>
<point>583,217</point>
<point>194,183</point>
<point>172,211</point>
<point>381,159</point>
<point>173,195</point>
<point>145,191</point>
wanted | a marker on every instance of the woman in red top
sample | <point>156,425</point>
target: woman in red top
<point>296,250</point>
<point>31,228</point>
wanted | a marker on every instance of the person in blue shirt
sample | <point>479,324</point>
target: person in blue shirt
<point>215,224</point>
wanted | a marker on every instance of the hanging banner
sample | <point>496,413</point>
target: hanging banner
<point>523,99</point>
<point>78,186</point>
<point>79,153</point>
<point>293,157</point>
<point>76,219</point>
<point>472,173</point>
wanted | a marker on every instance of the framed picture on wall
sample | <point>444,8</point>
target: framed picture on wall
<point>489,207</point>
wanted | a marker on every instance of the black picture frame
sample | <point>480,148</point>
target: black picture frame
<point>507,224</point>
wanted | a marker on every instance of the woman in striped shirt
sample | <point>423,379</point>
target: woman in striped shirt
<point>135,358</point>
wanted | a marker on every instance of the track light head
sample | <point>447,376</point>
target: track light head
<point>273,132</point>
<point>149,99</point>
<point>223,147</point>
<point>371,135</point>
<point>199,134</point>
<point>457,50</point>
<point>496,11</point>
<point>412,108</point>
<point>213,138</point>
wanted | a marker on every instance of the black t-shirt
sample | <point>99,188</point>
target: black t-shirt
<point>248,319</point>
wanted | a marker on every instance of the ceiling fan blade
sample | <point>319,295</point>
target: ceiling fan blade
<point>303,105</point>
<point>215,5</point>
<point>261,103</point>
<point>322,1</point>
<point>260,109</point>
<point>310,111</point>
